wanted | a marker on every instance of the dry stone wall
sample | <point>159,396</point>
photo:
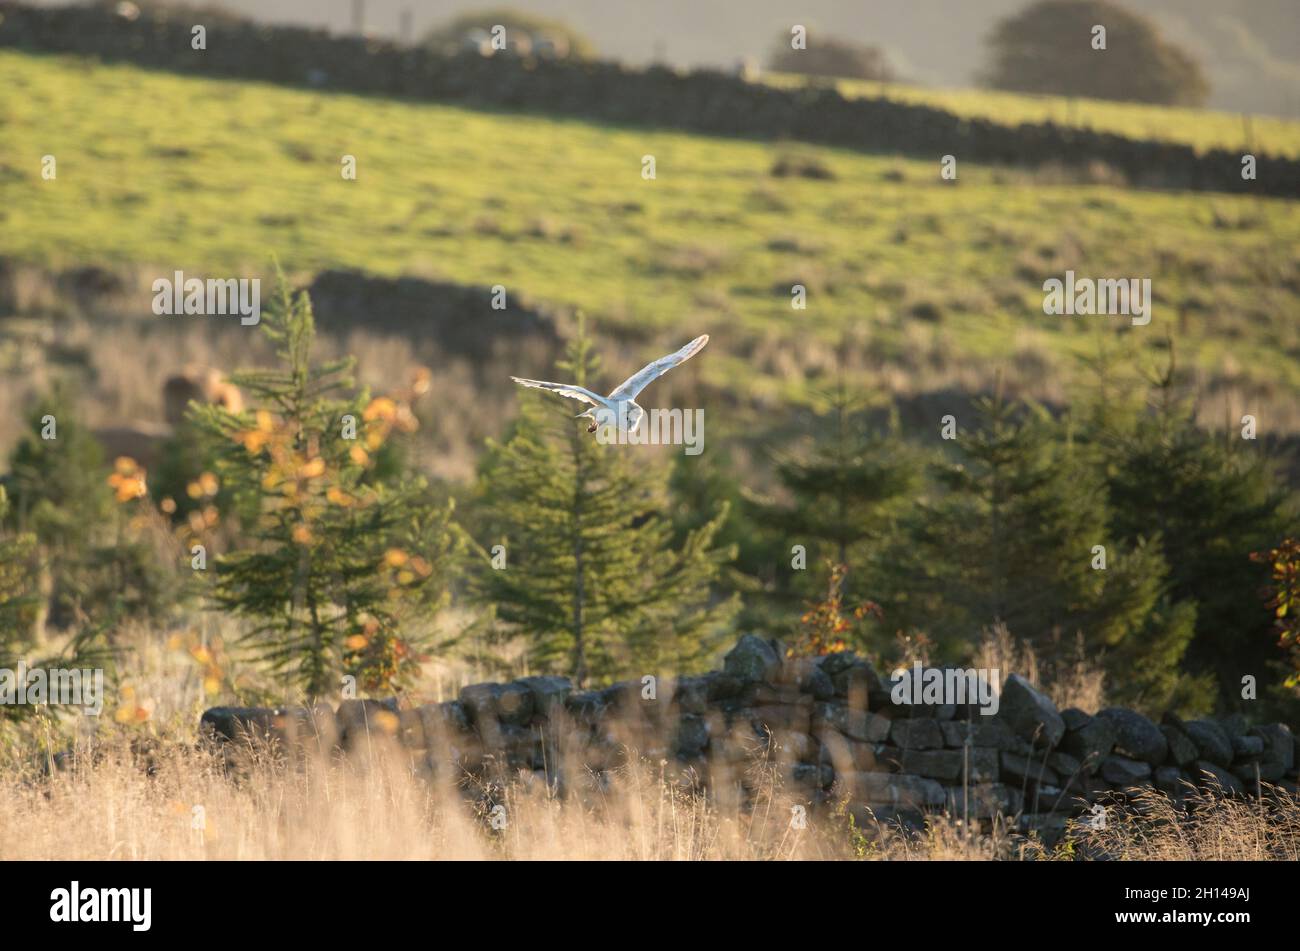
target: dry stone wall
<point>830,729</point>
<point>701,101</point>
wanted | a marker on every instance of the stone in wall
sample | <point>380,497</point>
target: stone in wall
<point>1211,741</point>
<point>1088,738</point>
<point>1029,713</point>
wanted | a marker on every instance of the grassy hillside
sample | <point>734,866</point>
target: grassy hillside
<point>1202,129</point>
<point>942,282</point>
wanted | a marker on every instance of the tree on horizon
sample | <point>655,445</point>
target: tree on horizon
<point>1047,48</point>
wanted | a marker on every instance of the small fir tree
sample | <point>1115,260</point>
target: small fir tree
<point>588,570</point>
<point>338,572</point>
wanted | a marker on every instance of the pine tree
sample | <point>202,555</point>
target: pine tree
<point>842,489</point>
<point>91,570</point>
<point>1013,538</point>
<point>698,488</point>
<point>590,572</point>
<point>845,494</point>
<point>56,480</point>
<point>1211,504</point>
<point>19,603</point>
<point>18,598</point>
<point>339,572</point>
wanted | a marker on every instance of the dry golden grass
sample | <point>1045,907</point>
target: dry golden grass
<point>1071,678</point>
<point>376,806</point>
<point>379,803</point>
<point>1205,827</point>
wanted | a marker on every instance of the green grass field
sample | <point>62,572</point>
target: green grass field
<point>1202,129</point>
<point>942,281</point>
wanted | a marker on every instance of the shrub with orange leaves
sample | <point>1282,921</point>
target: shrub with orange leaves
<point>376,659</point>
<point>132,710</point>
<point>1284,599</point>
<point>127,480</point>
<point>208,656</point>
<point>824,627</point>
